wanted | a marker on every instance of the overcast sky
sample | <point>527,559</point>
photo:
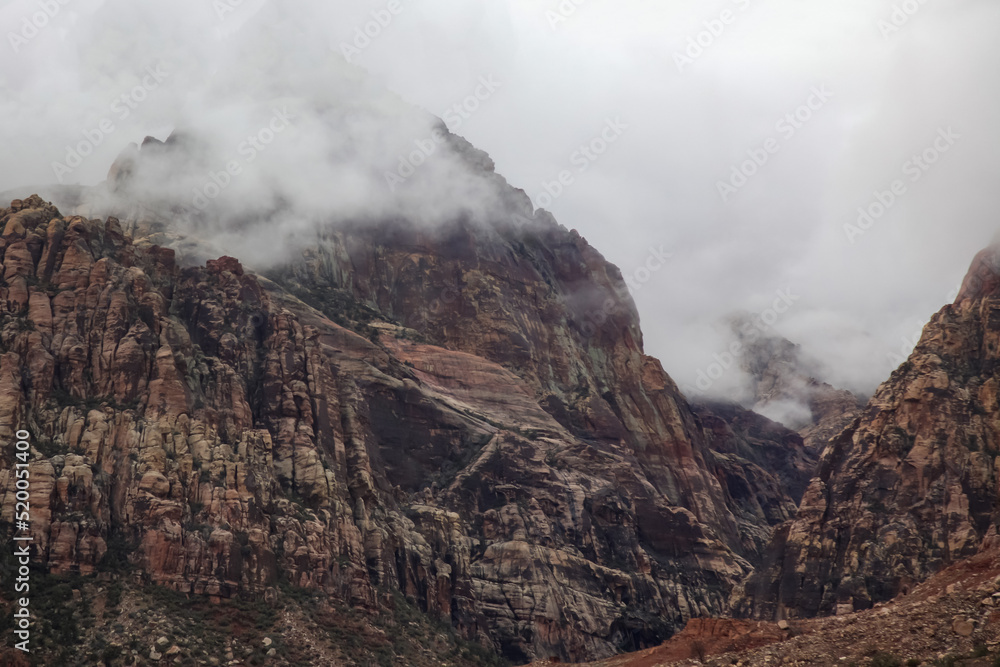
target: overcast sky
<point>829,102</point>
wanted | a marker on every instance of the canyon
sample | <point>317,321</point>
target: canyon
<point>431,420</point>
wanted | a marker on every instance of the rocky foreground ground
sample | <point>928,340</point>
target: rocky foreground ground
<point>952,619</point>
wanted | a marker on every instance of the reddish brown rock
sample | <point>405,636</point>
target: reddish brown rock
<point>941,617</point>
<point>983,278</point>
<point>911,486</point>
<point>230,264</point>
<point>537,482</point>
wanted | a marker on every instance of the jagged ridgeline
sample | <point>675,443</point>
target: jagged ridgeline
<point>911,485</point>
<point>895,545</point>
<point>406,433</point>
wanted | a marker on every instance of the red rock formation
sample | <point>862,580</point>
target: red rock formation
<point>546,491</point>
<point>763,468</point>
<point>909,487</point>
<point>983,278</point>
<point>700,638</point>
<point>952,617</point>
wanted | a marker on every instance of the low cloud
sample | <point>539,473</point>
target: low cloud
<point>892,89</point>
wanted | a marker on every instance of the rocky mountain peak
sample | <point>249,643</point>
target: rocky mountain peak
<point>910,486</point>
<point>983,278</point>
<point>429,413</point>
<point>785,387</point>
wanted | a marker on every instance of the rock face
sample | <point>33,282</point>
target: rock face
<point>831,411</point>
<point>911,485</point>
<point>763,467</point>
<point>482,446</point>
<point>785,387</point>
<point>949,618</point>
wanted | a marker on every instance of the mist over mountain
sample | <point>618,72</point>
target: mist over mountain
<point>403,333</point>
<point>843,101</point>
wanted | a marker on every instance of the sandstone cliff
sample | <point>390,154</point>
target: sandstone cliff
<point>911,485</point>
<point>951,619</point>
<point>762,466</point>
<point>459,436</point>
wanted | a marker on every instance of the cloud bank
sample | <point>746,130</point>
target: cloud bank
<point>844,153</point>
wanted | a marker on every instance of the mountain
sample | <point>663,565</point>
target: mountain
<point>893,554</point>
<point>911,485</point>
<point>784,385</point>
<point>403,417</point>
<point>951,619</point>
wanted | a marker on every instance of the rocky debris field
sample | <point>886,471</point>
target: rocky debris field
<point>109,622</point>
<point>952,619</point>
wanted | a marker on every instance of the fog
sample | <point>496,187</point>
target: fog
<point>739,137</point>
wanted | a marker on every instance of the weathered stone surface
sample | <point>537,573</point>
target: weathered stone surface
<point>911,485</point>
<point>963,627</point>
<point>918,628</point>
<point>763,468</point>
<point>538,482</point>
